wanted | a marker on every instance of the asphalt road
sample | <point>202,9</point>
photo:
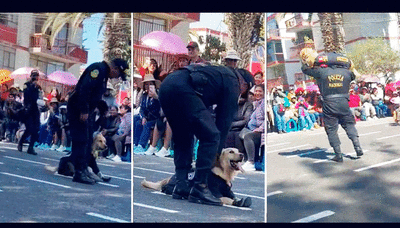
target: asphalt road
<point>153,206</point>
<point>304,186</point>
<point>30,193</point>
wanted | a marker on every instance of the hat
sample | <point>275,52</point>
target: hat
<point>35,73</point>
<point>53,100</point>
<point>192,44</point>
<point>122,65</point>
<point>150,78</point>
<point>279,87</point>
<point>232,54</point>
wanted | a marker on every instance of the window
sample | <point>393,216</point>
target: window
<point>144,24</point>
<point>45,65</point>
<point>9,19</point>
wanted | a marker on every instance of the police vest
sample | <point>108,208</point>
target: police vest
<point>332,59</point>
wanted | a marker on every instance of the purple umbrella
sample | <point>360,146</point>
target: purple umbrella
<point>63,77</point>
<point>165,42</point>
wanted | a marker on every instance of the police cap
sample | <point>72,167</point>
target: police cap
<point>122,65</point>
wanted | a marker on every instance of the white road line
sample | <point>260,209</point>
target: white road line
<point>370,133</point>
<point>37,180</point>
<point>288,148</point>
<point>158,171</point>
<point>1,163</point>
<point>20,159</point>
<point>377,165</point>
<point>241,194</point>
<point>314,217</point>
<point>240,208</point>
<point>155,208</point>
<point>121,178</point>
<point>391,136</point>
<point>107,217</point>
<point>135,176</point>
<point>274,193</point>
<point>11,148</point>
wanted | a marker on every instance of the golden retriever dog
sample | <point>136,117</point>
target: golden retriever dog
<point>65,167</point>
<point>226,167</point>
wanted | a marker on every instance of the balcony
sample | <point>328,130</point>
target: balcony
<point>8,34</point>
<point>273,34</point>
<point>61,51</point>
<point>297,23</point>
<point>275,59</point>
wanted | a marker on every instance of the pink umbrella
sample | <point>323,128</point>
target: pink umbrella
<point>63,77</point>
<point>165,42</point>
<point>312,87</point>
<point>24,72</point>
<point>370,78</point>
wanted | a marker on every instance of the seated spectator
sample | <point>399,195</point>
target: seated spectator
<point>150,67</point>
<point>53,123</point>
<point>304,116</point>
<point>251,134</point>
<point>377,102</point>
<point>278,108</point>
<point>240,121</point>
<point>54,93</point>
<point>110,128</point>
<point>161,127</point>
<point>109,96</point>
<point>291,111</point>
<point>149,112</point>
<point>124,130</point>
<point>44,130</point>
<point>355,106</point>
<point>366,102</point>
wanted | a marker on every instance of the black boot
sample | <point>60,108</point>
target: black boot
<point>81,177</point>
<point>243,202</point>
<point>19,147</point>
<point>104,178</point>
<point>31,151</point>
<point>338,155</point>
<point>358,151</point>
<point>181,190</point>
<point>201,194</point>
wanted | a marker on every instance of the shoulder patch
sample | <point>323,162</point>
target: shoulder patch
<point>94,73</point>
<point>342,59</point>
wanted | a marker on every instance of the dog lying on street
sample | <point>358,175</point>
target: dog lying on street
<point>225,169</point>
<point>65,166</point>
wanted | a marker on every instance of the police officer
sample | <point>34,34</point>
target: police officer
<point>334,73</point>
<point>31,117</point>
<point>185,96</point>
<point>81,107</point>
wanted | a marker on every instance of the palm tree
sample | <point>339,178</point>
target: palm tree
<point>241,27</point>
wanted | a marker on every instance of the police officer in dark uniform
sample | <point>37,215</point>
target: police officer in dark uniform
<point>185,96</point>
<point>333,74</point>
<point>31,117</point>
<point>81,112</point>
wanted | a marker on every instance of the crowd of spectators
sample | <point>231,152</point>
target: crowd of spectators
<point>54,131</point>
<point>301,109</point>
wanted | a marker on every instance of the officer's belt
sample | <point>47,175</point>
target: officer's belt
<point>337,96</point>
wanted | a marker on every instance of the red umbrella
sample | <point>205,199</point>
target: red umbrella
<point>165,42</point>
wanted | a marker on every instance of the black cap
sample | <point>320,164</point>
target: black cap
<point>35,73</point>
<point>122,65</point>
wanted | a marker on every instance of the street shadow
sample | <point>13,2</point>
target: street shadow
<point>368,196</point>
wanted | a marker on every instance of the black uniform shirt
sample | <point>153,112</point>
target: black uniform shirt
<point>31,95</point>
<point>91,86</point>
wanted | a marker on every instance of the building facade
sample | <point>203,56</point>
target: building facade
<point>22,44</point>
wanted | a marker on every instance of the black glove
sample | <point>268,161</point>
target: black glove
<point>244,202</point>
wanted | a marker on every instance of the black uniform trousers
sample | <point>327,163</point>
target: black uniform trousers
<point>336,111</point>
<point>188,116</point>
<point>32,125</point>
<point>82,139</point>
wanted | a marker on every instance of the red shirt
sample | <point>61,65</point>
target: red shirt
<point>354,101</point>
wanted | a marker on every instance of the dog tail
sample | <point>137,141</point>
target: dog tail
<point>51,168</point>
<point>155,185</point>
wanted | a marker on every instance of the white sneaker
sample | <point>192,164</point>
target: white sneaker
<point>61,148</point>
<point>151,150</point>
<point>162,153</point>
<point>248,166</point>
<point>53,147</point>
<point>116,158</point>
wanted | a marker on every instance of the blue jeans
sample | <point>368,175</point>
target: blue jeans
<point>279,119</point>
<point>141,134</point>
<point>305,121</point>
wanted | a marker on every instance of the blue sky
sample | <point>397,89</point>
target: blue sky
<point>92,38</point>
<point>211,21</point>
